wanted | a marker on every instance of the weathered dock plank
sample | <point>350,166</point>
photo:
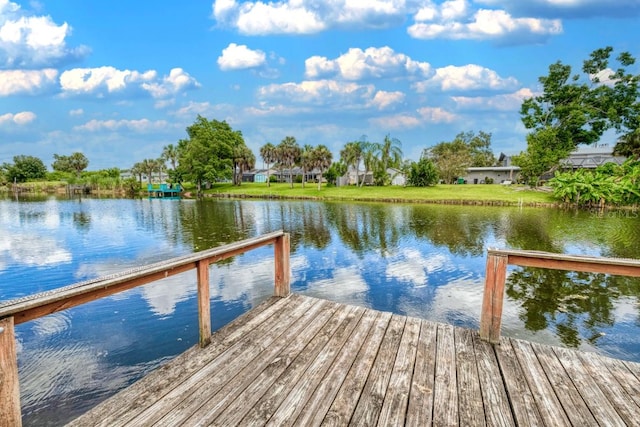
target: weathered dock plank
<point>344,404</point>
<point>597,368</point>
<point>394,407</point>
<point>314,412</point>
<point>471,408</point>
<point>372,397</point>
<point>547,402</point>
<point>445,395</point>
<point>573,404</point>
<point>599,405</point>
<point>309,362</point>
<point>494,395</point>
<point>522,401</point>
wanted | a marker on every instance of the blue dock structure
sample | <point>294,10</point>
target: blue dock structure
<point>164,191</point>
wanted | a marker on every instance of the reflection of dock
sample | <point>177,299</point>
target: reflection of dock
<point>163,191</point>
<point>305,361</point>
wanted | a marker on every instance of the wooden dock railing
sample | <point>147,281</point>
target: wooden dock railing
<point>496,274</point>
<point>32,307</point>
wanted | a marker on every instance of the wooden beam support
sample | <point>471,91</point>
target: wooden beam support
<point>282,266</point>
<point>204,303</point>
<point>491,317</point>
<point>9,387</point>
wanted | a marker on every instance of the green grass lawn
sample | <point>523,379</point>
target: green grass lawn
<point>494,193</point>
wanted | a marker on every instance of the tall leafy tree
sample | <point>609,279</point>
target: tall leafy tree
<point>289,154</point>
<point>321,159</point>
<point>207,155</point>
<point>422,173</point>
<point>451,159</point>
<point>466,150</point>
<point>578,108</point>
<point>24,168</point>
<point>269,156</point>
<point>351,155</point>
<point>75,163</point>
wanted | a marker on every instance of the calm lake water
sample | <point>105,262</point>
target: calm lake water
<point>420,260</point>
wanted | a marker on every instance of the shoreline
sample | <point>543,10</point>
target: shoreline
<point>462,202</point>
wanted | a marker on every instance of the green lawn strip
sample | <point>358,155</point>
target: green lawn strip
<point>489,194</point>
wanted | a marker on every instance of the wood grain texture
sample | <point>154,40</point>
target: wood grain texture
<point>10,414</point>
<point>420,410</point>
<point>304,361</point>
<point>445,396</point>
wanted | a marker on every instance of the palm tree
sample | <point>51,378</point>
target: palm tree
<point>243,159</point>
<point>629,145</point>
<point>351,155</point>
<point>289,154</point>
<point>390,156</point>
<point>268,154</point>
<point>148,167</point>
<point>369,150</point>
<point>170,154</point>
<point>321,159</point>
<point>160,166</point>
<point>136,170</point>
<point>306,161</point>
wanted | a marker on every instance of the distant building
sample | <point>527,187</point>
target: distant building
<point>352,177</point>
<point>590,157</point>
<point>495,174</point>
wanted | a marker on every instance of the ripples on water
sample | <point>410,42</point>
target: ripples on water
<point>417,260</point>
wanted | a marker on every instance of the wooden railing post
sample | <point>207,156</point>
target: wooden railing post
<point>204,302</point>
<point>491,317</point>
<point>9,386</point>
<point>282,266</point>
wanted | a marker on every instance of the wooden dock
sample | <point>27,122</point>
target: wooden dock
<point>305,361</point>
<point>296,360</point>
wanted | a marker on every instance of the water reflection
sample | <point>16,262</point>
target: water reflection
<point>421,260</point>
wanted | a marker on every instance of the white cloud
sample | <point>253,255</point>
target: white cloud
<point>195,108</point>
<point>320,92</point>
<point>383,100</point>
<point>398,121</point>
<point>436,115</point>
<point>76,112</point>
<point>372,62</point>
<point>307,16</point>
<point>455,19</point>
<point>177,81</point>
<point>411,266</point>
<point>352,289</point>
<point>277,18</point>
<point>467,77</point>
<point>32,250</point>
<point>14,82</point>
<point>238,57</point>
<point>102,81</point>
<point>140,126</point>
<point>33,41</point>
<point>22,118</point>
<point>503,102</point>
<point>450,22</point>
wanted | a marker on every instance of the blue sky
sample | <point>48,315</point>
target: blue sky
<point>118,80</point>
